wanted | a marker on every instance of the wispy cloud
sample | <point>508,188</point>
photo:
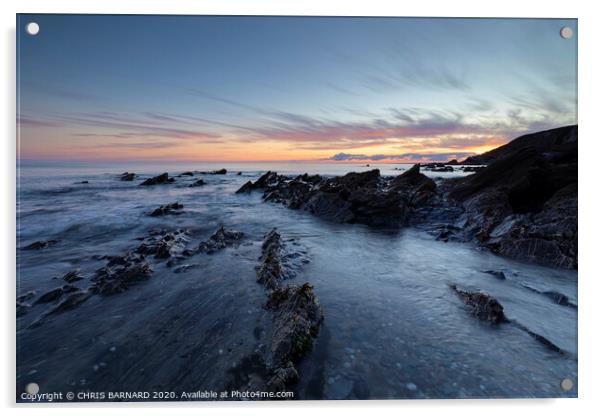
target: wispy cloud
<point>412,157</point>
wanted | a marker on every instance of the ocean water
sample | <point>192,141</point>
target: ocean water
<point>392,329</point>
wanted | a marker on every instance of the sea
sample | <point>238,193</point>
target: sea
<point>393,329</point>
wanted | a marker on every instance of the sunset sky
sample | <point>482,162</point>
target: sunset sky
<point>267,88</point>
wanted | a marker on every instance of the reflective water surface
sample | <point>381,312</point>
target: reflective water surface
<point>392,329</point>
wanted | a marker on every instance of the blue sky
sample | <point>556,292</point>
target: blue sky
<point>288,88</point>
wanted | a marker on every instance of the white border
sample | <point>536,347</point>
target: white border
<point>590,133</point>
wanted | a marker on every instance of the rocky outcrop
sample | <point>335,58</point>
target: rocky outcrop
<point>524,204</point>
<point>215,172</point>
<point>481,305</point>
<point>219,240</point>
<point>127,176</point>
<point>166,210</point>
<point>164,245</point>
<point>487,308</point>
<point>297,314</point>
<point>22,302</point>
<point>38,245</point>
<point>74,299</point>
<point>73,276</point>
<point>438,167</point>
<point>55,294</point>
<point>270,269</point>
<point>549,141</point>
<point>158,180</point>
<point>496,273</point>
<point>198,182</point>
<point>120,274</point>
<point>556,297</point>
<point>365,197</point>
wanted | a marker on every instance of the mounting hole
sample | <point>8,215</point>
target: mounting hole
<point>32,28</point>
<point>32,388</point>
<point>566,384</point>
<point>566,32</point>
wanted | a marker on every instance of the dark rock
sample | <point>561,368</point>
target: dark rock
<point>164,245</point>
<point>127,176</point>
<point>22,308</point>
<point>55,294</point>
<point>188,173</point>
<point>246,188</point>
<point>74,299</point>
<point>270,270</point>
<point>50,296</point>
<point>267,179</point>
<point>556,297</point>
<point>198,182</point>
<point>26,296</point>
<point>548,141</point>
<point>497,274</point>
<point>166,209</point>
<point>81,183</point>
<point>413,179</point>
<point>297,315</point>
<point>219,172</point>
<point>158,180</point>
<point>472,168</point>
<point>239,173</point>
<point>524,203</point>
<point>282,377</point>
<point>353,198</point>
<point>221,239</point>
<point>73,276</point>
<point>297,320</point>
<point>117,277</point>
<point>38,245</point>
<point>443,169</point>
<point>483,306</point>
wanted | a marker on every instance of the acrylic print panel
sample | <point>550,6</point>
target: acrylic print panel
<point>296,208</point>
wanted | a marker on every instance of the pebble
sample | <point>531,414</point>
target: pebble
<point>411,386</point>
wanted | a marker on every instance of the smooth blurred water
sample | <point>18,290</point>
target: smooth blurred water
<point>392,329</point>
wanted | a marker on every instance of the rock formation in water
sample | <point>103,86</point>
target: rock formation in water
<point>523,205</point>
<point>127,176</point>
<point>365,198</point>
<point>296,314</point>
<point>158,180</point>
<point>219,240</point>
<point>38,245</point>
<point>481,305</point>
<point>166,210</point>
<point>120,274</point>
<point>164,245</point>
<point>198,182</point>
<point>73,276</point>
